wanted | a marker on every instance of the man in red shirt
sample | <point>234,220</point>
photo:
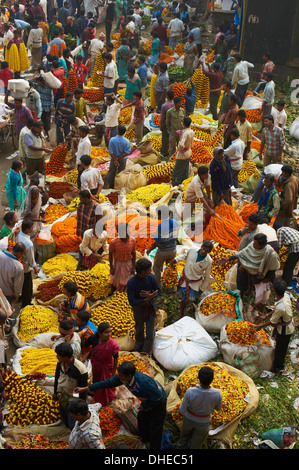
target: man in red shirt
<point>81,71</point>
<point>139,115</point>
<point>161,32</point>
<point>58,73</point>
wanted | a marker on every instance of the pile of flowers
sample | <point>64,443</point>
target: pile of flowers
<point>28,403</point>
<point>248,169</point>
<point>138,362</point>
<point>218,272</point>
<point>244,333</point>
<point>54,212</point>
<point>46,291</point>
<point>221,302</point>
<point>94,283</point>
<point>109,421</point>
<point>41,360</point>
<point>41,442</point>
<point>149,194</point>
<point>55,165</point>
<point>58,189</point>
<point>60,264</point>
<point>35,320</point>
<point>117,312</point>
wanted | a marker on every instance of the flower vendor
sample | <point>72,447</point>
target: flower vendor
<point>200,188</point>
<point>165,241</point>
<point>14,190</point>
<point>221,177</point>
<point>10,219</point>
<point>68,335</point>
<point>183,154</point>
<point>75,301</point>
<point>12,272</point>
<point>93,247</point>
<point>35,149</point>
<point>86,433</point>
<point>24,236</point>
<point>289,237</point>
<point>249,231</point>
<point>70,373</point>
<point>282,322</point>
<point>195,278</point>
<point>197,406</point>
<point>119,149</point>
<point>269,201</point>
<point>90,177</point>
<point>103,358</point>
<point>235,152</point>
<point>152,412</point>
<point>142,289</point>
<point>288,198</point>
<point>122,257</point>
<point>88,212</point>
<point>174,122</point>
<point>257,264</point>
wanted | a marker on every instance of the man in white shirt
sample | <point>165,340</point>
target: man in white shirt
<point>281,117</point>
<point>268,95</point>
<point>176,27</point>
<point>96,47</point>
<point>240,78</point>
<point>235,153</point>
<point>28,259</point>
<point>7,36</point>
<point>200,188</point>
<point>109,74</point>
<point>112,115</point>
<point>84,148</point>
<point>91,178</point>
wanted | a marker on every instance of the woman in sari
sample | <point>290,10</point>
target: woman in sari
<point>103,358</point>
<point>133,83</point>
<point>10,220</point>
<point>122,59</point>
<point>190,53</point>
<point>32,209</point>
<point>15,192</point>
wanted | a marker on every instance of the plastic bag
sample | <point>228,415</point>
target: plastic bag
<point>51,80</point>
<point>282,437</point>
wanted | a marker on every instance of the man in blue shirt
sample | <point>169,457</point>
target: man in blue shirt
<point>152,411</point>
<point>195,31</point>
<point>142,289</point>
<point>165,241</point>
<point>142,72</point>
<point>190,99</point>
<point>119,149</point>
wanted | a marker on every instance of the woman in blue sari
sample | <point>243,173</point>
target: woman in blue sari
<point>15,192</point>
<point>122,59</point>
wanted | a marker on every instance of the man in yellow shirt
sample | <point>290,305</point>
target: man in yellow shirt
<point>81,108</point>
<point>245,130</point>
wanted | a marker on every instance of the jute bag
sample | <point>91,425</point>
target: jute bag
<point>226,432</point>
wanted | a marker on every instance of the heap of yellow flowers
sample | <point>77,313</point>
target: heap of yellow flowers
<point>41,360</point>
<point>156,140</point>
<point>72,176</point>
<point>248,169</point>
<point>171,274</point>
<point>99,152</point>
<point>28,403</point>
<point>152,91</point>
<point>150,194</point>
<point>202,88</point>
<point>218,272</point>
<point>221,302</point>
<point>94,283</point>
<point>60,264</point>
<point>117,312</point>
<point>244,333</point>
<point>233,389</point>
<point>95,79</point>
<point>154,171</point>
<point>35,320</point>
<point>130,134</point>
<point>54,212</point>
<point>125,116</point>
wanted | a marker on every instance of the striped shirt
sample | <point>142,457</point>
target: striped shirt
<point>88,435</point>
<point>288,237</point>
<point>46,96</point>
<point>86,217</point>
<point>21,117</point>
<point>273,140</point>
<point>139,112</point>
<point>122,251</point>
<point>64,110</point>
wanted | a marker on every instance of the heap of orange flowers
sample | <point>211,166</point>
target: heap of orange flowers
<point>221,302</point>
<point>72,81</point>
<point>248,209</point>
<point>138,362</point>
<point>180,89</point>
<point>253,115</point>
<point>244,333</point>
<point>93,94</point>
<point>64,233</point>
<point>109,421</point>
<point>55,165</point>
<point>54,212</point>
<point>224,227</point>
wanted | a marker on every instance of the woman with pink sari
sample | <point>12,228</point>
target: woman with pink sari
<point>103,358</point>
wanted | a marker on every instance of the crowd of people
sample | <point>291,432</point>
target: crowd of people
<point>62,36</point>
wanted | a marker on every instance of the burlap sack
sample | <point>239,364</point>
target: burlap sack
<point>131,178</point>
<point>226,432</point>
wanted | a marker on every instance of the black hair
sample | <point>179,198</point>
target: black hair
<point>8,217</point>
<point>234,98</point>
<point>138,94</point>
<point>78,407</point>
<point>269,117</point>
<point>142,58</point>
<point>84,129</point>
<point>216,66</point>
<point>83,315</point>
<point>27,224</point>
<point>19,248</point>
<point>16,164</point>
<point>261,238</point>
<point>4,64</point>
<point>163,65</point>
<point>69,94</point>
<point>202,170</point>
<point>108,56</point>
<point>187,121</point>
<point>131,69</point>
<point>86,160</point>
<point>255,218</point>
<point>71,287</point>
<point>280,286</point>
<point>208,244</point>
<point>170,94</point>
<point>177,99</point>
<point>64,350</point>
<point>287,169</point>
<point>85,194</point>
<point>242,113</point>
<point>103,327</point>
<point>143,264</point>
<point>121,129</point>
<point>234,131</point>
<point>206,376</point>
<point>238,57</point>
<point>127,368</point>
<point>66,324</point>
<point>269,177</point>
<point>78,91</point>
<point>281,103</point>
<point>37,124</point>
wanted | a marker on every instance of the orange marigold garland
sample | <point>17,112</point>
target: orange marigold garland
<point>56,162</point>
<point>72,81</point>
<point>109,421</point>
<point>180,90</point>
